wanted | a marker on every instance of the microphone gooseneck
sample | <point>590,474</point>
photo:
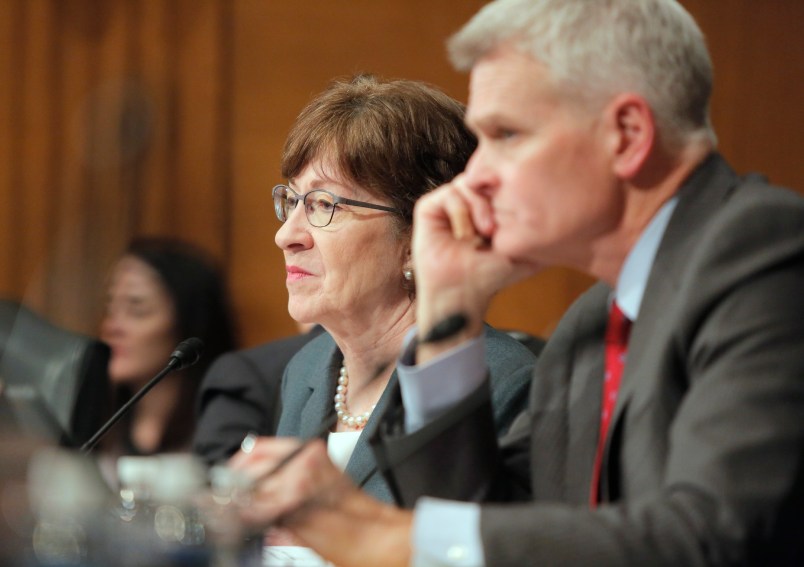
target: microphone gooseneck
<point>186,354</point>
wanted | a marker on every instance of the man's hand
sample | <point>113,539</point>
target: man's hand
<point>457,270</point>
<point>321,507</point>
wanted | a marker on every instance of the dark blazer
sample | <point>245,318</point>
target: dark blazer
<point>309,384</point>
<point>240,394</point>
<point>704,462</point>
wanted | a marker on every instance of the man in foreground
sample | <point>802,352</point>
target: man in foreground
<point>665,421</point>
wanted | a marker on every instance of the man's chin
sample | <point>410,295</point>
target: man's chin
<point>529,264</point>
<point>525,268</point>
<point>511,248</point>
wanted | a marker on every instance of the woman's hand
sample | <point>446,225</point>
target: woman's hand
<point>320,507</point>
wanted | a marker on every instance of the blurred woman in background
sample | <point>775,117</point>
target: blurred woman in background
<point>161,292</point>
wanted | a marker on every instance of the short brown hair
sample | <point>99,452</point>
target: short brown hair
<point>396,139</point>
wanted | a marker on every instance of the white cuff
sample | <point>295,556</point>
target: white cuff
<point>430,389</point>
<point>446,533</point>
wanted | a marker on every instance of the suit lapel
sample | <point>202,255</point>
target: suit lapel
<point>362,465</point>
<point>585,397</point>
<point>321,381</point>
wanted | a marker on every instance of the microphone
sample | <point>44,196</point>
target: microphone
<point>186,354</point>
<point>446,328</point>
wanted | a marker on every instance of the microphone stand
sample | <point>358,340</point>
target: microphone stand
<point>87,447</point>
<point>187,353</point>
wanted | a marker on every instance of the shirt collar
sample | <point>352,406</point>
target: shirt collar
<point>633,278</point>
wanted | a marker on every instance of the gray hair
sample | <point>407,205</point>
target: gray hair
<point>595,49</point>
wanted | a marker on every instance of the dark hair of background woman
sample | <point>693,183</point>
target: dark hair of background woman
<point>202,309</point>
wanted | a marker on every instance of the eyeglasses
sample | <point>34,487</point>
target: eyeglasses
<point>319,205</point>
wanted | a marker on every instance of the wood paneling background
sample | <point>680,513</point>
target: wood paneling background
<point>125,117</point>
<point>116,121</point>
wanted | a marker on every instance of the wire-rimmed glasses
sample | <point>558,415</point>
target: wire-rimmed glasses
<point>319,204</point>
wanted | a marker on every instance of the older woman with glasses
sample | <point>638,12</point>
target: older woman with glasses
<point>356,160</point>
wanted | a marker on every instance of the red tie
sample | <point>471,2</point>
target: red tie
<point>617,331</point>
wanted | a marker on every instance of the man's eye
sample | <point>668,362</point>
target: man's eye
<point>504,133</point>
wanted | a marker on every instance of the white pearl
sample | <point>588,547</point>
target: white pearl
<point>341,409</point>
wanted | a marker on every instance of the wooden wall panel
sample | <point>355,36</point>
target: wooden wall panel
<point>156,65</point>
<point>86,231</point>
<point>8,51</point>
<point>112,131</point>
<point>200,147</point>
<point>759,83</point>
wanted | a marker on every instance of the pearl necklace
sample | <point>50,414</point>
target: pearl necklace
<point>352,421</point>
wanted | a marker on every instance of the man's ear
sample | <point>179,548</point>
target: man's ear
<point>634,132</point>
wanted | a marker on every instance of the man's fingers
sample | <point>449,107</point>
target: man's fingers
<point>466,214</point>
<point>479,207</point>
<point>460,218</point>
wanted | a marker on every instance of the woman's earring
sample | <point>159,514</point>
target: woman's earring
<point>407,273</point>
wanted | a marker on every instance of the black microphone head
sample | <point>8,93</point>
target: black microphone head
<point>446,328</point>
<point>187,353</point>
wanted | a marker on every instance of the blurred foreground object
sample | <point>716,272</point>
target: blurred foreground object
<point>56,510</point>
<point>166,513</point>
<point>55,380</point>
<point>68,500</point>
<point>16,521</point>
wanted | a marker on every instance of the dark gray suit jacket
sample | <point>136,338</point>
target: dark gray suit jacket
<point>308,388</point>
<point>240,394</point>
<point>704,463</point>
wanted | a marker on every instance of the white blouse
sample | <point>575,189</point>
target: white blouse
<point>341,445</point>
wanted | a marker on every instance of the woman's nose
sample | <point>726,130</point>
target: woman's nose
<point>295,231</point>
<point>115,318</point>
<point>110,325</point>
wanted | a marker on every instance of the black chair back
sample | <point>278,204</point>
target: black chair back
<point>55,381</point>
